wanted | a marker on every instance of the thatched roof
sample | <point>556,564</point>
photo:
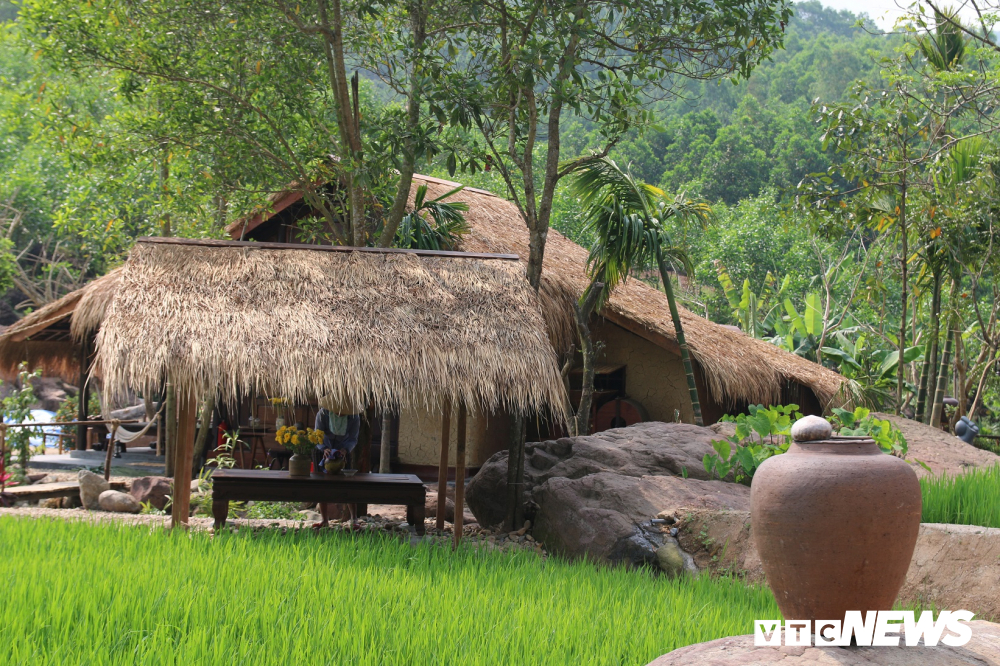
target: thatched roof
<point>48,338</point>
<point>735,366</point>
<point>398,328</point>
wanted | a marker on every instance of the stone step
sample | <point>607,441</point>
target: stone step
<point>40,491</point>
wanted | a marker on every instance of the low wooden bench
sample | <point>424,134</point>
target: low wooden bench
<point>262,485</point>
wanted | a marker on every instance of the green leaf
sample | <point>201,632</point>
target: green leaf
<point>814,314</point>
<point>722,447</point>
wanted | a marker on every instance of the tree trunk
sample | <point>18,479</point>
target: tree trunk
<point>681,342</point>
<point>418,23</point>
<point>582,312</point>
<point>201,440</point>
<point>900,366</point>
<point>515,472</point>
<point>934,340</point>
<point>385,446</point>
<point>942,378</point>
<point>918,413</point>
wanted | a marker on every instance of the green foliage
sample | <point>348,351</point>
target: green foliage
<point>16,408</point>
<point>274,511</point>
<point>303,602</point>
<point>449,225</point>
<point>862,423</point>
<point>766,431</point>
<point>740,453</point>
<point>969,498</point>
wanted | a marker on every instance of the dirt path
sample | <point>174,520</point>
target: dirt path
<point>939,450</point>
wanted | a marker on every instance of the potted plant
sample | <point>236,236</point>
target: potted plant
<point>301,442</point>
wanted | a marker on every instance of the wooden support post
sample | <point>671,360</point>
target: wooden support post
<point>170,428</point>
<point>443,465</point>
<point>460,475</point>
<point>3,457</point>
<point>83,397</point>
<point>187,412</point>
<point>111,447</point>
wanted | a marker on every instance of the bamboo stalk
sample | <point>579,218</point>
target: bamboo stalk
<point>443,465</point>
<point>459,475</point>
<point>111,447</point>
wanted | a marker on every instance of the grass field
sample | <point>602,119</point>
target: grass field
<point>75,593</point>
<point>972,498</point>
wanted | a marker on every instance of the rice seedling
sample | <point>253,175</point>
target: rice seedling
<point>972,498</point>
<point>78,593</point>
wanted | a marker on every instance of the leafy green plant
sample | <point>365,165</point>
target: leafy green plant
<point>766,431</point>
<point>740,454</point>
<point>274,510</point>
<point>416,231</point>
<point>17,409</point>
<point>862,423</point>
<point>872,370</point>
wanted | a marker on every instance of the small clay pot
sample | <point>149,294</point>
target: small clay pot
<point>835,522</point>
<point>299,465</point>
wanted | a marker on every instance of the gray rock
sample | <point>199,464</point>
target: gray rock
<point>119,502</point>
<point>595,496</point>
<point>669,558</point>
<point>51,503</point>
<point>91,487</point>
<point>645,449</point>
<point>152,489</point>
<point>126,413</point>
<point>811,428</point>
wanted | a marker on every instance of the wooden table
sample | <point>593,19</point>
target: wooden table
<point>277,486</point>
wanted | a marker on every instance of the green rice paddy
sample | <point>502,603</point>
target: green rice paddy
<point>972,498</point>
<point>76,593</point>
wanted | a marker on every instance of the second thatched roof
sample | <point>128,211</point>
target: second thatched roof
<point>736,367</point>
<point>49,338</point>
<point>396,328</point>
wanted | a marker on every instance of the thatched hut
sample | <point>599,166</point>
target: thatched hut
<point>640,375</point>
<point>391,329</point>
<point>58,338</point>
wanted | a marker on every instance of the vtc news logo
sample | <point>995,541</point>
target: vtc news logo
<point>880,629</point>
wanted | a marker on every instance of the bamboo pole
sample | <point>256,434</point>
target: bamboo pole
<point>183,459</point>
<point>460,475</point>
<point>111,447</point>
<point>443,465</point>
<point>83,397</point>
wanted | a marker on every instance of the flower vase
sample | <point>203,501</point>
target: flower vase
<point>279,423</point>
<point>298,465</point>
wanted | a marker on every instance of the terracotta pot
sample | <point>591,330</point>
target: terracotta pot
<point>835,523</point>
<point>298,465</point>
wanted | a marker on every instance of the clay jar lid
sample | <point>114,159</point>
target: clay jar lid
<point>817,430</point>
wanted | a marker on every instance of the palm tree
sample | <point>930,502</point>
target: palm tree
<point>628,219</point>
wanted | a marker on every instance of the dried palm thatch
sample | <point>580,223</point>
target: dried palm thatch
<point>735,367</point>
<point>42,338</point>
<point>394,328</point>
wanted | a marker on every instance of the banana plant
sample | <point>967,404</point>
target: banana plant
<point>872,369</point>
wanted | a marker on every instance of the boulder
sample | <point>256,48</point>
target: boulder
<point>91,487</point>
<point>595,496</point>
<point>431,505</point>
<point>152,489</point>
<point>982,648</point>
<point>119,502</point>
<point>50,392</point>
<point>953,566</point>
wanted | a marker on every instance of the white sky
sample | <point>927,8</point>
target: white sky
<point>885,12</point>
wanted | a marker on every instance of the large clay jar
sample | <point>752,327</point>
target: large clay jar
<point>835,522</point>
